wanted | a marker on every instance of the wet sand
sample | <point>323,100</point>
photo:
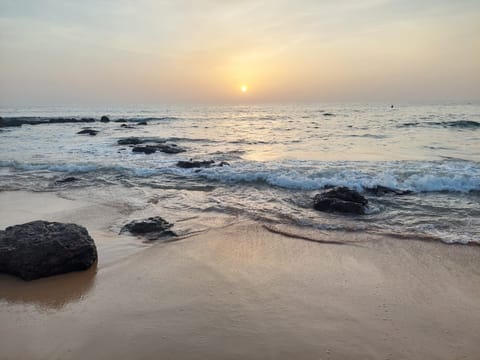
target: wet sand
<point>241,291</point>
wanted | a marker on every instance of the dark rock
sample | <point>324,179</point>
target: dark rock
<point>88,132</point>
<point>27,120</point>
<point>40,248</point>
<point>328,114</point>
<point>145,149</point>
<point>152,228</point>
<point>150,149</point>
<point>66,180</point>
<point>130,141</point>
<point>170,149</point>
<point>340,199</point>
<point>104,119</point>
<point>121,121</point>
<point>143,122</point>
<point>125,126</point>
<point>380,190</point>
<point>224,163</point>
<point>195,164</point>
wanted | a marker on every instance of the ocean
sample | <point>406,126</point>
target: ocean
<point>275,159</point>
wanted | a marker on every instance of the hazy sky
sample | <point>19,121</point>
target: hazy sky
<point>146,51</point>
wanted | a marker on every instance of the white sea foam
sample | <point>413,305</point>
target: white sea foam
<point>429,177</point>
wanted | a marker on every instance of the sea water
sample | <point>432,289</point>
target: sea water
<point>278,157</point>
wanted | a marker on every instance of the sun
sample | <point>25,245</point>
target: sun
<point>244,88</point>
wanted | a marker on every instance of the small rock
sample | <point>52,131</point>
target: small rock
<point>144,149</point>
<point>66,180</point>
<point>104,119</point>
<point>170,149</point>
<point>121,121</point>
<point>380,190</point>
<point>340,199</point>
<point>130,141</point>
<point>150,149</point>
<point>125,126</point>
<point>88,132</point>
<point>328,114</point>
<point>143,122</point>
<point>40,248</point>
<point>194,164</point>
<point>153,228</point>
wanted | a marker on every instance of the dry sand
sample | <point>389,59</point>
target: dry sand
<point>241,292</point>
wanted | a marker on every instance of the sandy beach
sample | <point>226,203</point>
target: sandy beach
<point>241,291</point>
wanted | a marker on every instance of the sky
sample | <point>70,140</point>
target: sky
<point>203,51</point>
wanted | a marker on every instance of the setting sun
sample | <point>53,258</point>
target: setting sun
<point>244,88</point>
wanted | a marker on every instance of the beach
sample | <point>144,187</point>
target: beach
<point>239,180</point>
<point>241,289</point>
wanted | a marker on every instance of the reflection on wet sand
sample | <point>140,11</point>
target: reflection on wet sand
<point>48,293</point>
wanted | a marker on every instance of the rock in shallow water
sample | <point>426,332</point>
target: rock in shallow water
<point>195,164</point>
<point>88,132</point>
<point>165,148</point>
<point>40,248</point>
<point>153,227</point>
<point>340,199</point>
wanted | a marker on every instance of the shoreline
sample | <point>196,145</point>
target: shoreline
<point>240,291</point>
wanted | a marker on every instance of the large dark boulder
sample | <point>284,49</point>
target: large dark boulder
<point>340,199</point>
<point>153,228</point>
<point>104,119</point>
<point>40,248</point>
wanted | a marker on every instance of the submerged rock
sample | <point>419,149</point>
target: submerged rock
<point>152,228</point>
<point>170,149</point>
<point>88,132</point>
<point>66,180</point>
<point>190,164</point>
<point>380,190</point>
<point>142,122</point>
<point>144,149</point>
<point>125,126</point>
<point>340,199</point>
<point>40,248</point>
<point>130,141</point>
<point>150,149</point>
<point>27,120</point>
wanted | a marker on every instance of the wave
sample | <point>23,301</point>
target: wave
<point>422,181</point>
<point>462,124</point>
<point>415,177</point>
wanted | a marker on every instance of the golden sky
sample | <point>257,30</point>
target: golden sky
<point>203,51</point>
